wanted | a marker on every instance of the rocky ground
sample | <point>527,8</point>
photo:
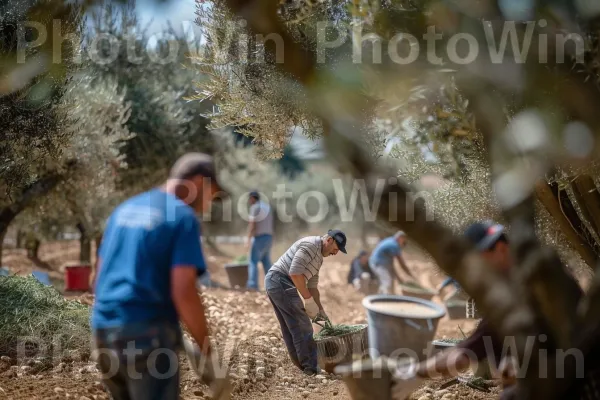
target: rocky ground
<point>248,338</point>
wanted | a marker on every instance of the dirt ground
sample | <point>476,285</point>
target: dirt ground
<point>245,329</point>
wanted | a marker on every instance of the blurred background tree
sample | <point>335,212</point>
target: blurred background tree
<point>33,113</point>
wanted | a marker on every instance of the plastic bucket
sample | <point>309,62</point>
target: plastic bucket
<point>237,273</point>
<point>396,333</point>
<point>77,277</point>
<point>336,350</point>
<point>368,379</point>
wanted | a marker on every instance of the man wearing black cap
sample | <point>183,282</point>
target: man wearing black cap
<point>149,260</point>
<point>298,271</point>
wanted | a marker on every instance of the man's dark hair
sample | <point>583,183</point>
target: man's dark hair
<point>255,195</point>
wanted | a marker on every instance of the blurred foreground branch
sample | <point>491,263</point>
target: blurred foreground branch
<point>527,303</point>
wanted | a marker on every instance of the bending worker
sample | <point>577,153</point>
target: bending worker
<point>382,262</point>
<point>298,271</point>
<point>491,241</point>
<point>359,268</point>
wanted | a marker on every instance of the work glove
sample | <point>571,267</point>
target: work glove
<point>207,369</point>
<point>311,307</point>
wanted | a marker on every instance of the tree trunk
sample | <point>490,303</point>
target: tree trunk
<point>38,188</point>
<point>2,236</point>
<point>588,199</point>
<point>33,248</point>
<point>549,198</point>
<point>210,243</point>
<point>19,241</point>
<point>98,241</point>
<point>85,244</point>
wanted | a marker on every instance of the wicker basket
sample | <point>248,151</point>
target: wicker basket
<point>343,349</point>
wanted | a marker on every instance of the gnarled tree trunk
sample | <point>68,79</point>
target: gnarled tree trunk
<point>2,236</point>
<point>85,244</point>
<point>38,188</point>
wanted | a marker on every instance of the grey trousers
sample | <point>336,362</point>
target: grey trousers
<point>296,327</point>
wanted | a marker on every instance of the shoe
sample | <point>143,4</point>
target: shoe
<point>309,372</point>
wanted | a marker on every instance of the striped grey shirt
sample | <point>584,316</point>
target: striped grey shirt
<point>303,258</point>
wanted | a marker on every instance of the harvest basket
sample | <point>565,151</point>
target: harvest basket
<point>335,350</point>
<point>440,345</point>
<point>237,273</point>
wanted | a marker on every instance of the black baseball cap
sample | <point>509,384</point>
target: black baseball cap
<point>340,239</point>
<point>484,235</point>
<point>254,194</point>
<point>194,164</point>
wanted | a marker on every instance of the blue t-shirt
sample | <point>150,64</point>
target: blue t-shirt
<point>385,252</point>
<point>145,237</point>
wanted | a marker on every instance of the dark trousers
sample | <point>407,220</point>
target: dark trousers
<point>296,327</point>
<point>139,361</point>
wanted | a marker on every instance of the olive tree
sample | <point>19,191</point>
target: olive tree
<point>545,98</point>
<point>33,115</point>
<point>98,114</point>
<point>156,80</point>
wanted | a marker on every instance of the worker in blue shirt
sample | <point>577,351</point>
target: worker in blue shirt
<point>149,260</point>
<point>382,262</point>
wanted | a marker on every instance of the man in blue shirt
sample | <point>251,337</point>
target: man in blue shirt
<point>382,262</point>
<point>148,263</point>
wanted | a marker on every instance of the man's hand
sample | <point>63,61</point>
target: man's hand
<point>312,309</point>
<point>322,315</point>
<point>189,304</point>
<point>206,368</point>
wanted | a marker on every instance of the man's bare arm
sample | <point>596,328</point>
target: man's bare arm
<point>317,296</point>
<point>250,233</point>
<point>189,305</point>
<point>300,283</point>
<point>251,229</point>
<point>404,266</point>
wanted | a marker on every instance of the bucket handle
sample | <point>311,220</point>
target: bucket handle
<point>412,324</point>
<point>417,326</point>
